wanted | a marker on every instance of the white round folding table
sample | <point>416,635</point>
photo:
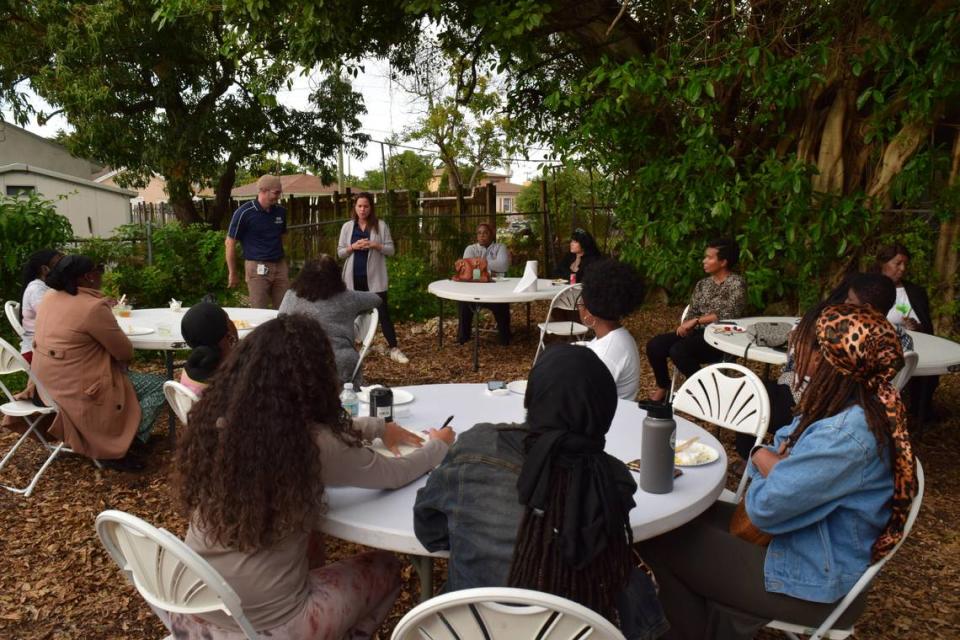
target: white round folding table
<point>937,356</point>
<point>159,329</point>
<point>384,519</point>
<point>500,290</point>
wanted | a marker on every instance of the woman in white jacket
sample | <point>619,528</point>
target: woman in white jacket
<point>364,242</point>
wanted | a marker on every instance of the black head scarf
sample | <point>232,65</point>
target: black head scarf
<point>203,327</point>
<point>571,400</point>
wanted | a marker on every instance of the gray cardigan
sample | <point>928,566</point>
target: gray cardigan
<point>336,315</point>
<point>376,264</point>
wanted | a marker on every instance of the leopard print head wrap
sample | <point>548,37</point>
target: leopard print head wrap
<point>859,342</point>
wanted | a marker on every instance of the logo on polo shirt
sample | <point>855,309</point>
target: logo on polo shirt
<point>278,220</point>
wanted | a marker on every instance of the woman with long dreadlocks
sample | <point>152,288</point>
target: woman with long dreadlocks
<point>551,476</point>
<point>833,493</point>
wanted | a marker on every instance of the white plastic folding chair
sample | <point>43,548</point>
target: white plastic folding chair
<point>180,399</point>
<point>12,308</point>
<point>910,360</point>
<point>565,299</point>
<point>739,403</point>
<point>364,328</point>
<point>169,575</point>
<point>826,629</point>
<point>12,362</point>
<point>495,613</point>
<point>676,372</point>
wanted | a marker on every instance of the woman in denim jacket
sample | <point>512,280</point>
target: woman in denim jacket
<point>823,491</point>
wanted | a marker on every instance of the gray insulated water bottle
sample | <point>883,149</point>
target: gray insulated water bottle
<point>657,447</point>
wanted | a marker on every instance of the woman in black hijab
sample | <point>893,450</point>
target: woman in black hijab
<point>574,539</point>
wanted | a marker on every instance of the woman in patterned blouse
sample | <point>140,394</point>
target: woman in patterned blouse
<point>721,295</point>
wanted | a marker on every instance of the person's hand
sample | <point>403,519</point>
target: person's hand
<point>360,244</point>
<point>232,280</point>
<point>376,246</point>
<point>394,435</point>
<point>446,434</point>
<point>765,459</point>
<point>687,327</point>
<point>910,324</point>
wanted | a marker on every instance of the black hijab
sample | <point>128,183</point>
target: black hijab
<point>571,400</point>
<point>203,327</point>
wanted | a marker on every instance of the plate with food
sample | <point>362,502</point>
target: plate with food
<point>243,325</point>
<point>518,386</point>
<point>695,455</point>
<point>132,330</point>
<point>559,281</point>
<point>728,328</point>
<point>400,396</point>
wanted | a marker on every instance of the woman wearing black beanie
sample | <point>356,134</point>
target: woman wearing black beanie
<point>211,335</point>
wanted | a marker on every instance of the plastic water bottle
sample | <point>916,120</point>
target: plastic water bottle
<point>349,400</point>
<point>658,441</point>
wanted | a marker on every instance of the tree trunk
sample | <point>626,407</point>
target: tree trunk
<point>181,199</point>
<point>830,158</point>
<point>221,204</point>
<point>947,258</point>
<point>900,149</point>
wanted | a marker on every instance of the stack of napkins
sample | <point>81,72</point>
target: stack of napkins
<point>529,280</point>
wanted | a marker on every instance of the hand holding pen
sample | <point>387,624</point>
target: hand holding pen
<point>445,432</point>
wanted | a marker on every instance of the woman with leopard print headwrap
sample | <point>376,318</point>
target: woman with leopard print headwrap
<point>833,491</point>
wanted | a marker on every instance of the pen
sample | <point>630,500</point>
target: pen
<point>447,422</point>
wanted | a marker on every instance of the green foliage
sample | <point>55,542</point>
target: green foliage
<point>409,276</point>
<point>28,223</point>
<point>188,263</point>
<point>405,171</point>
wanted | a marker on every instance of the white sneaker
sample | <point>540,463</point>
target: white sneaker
<point>398,356</point>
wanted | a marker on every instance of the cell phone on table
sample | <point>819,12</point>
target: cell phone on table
<point>496,385</point>
<point>634,465</point>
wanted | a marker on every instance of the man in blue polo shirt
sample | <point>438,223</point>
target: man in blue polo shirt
<point>260,225</point>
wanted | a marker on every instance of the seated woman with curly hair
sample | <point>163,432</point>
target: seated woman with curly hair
<point>611,291</point>
<point>319,292</point>
<point>827,499</point>
<point>264,441</point>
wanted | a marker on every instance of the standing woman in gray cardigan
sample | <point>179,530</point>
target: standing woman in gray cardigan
<point>364,242</point>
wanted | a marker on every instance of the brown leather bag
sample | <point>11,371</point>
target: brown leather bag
<point>742,527</point>
<point>466,268</point>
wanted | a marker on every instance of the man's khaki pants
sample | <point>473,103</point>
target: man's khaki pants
<point>268,287</point>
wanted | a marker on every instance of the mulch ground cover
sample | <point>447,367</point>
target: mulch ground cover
<point>58,582</point>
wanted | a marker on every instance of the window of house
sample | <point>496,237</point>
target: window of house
<point>507,205</point>
<point>18,190</point>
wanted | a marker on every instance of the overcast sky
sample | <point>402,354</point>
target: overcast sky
<point>390,110</point>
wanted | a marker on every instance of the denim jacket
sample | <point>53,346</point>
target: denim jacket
<point>825,504</point>
<point>470,507</point>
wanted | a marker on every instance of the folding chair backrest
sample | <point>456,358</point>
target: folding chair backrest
<point>167,573</point>
<point>566,298</point>
<point>824,630</point>
<point>910,360</point>
<point>364,329</point>
<point>738,403</point>
<point>494,613</point>
<point>12,308</point>
<point>12,362</point>
<point>180,398</point>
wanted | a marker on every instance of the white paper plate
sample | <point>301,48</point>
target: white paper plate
<point>728,329</point>
<point>248,325</point>
<point>400,396</point>
<point>135,331</point>
<point>696,455</point>
<point>518,386</point>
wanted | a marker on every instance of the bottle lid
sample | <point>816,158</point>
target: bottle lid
<point>663,410</point>
<point>348,385</point>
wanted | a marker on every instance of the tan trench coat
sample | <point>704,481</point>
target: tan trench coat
<point>78,355</point>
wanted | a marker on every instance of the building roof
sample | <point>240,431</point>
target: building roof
<point>298,184</point>
<point>508,188</point>
<point>25,168</point>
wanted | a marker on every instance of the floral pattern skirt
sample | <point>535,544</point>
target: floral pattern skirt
<point>346,599</point>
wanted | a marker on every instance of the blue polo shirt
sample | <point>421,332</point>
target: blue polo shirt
<point>260,231</point>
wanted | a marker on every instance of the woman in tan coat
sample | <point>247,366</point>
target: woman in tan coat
<point>80,356</point>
